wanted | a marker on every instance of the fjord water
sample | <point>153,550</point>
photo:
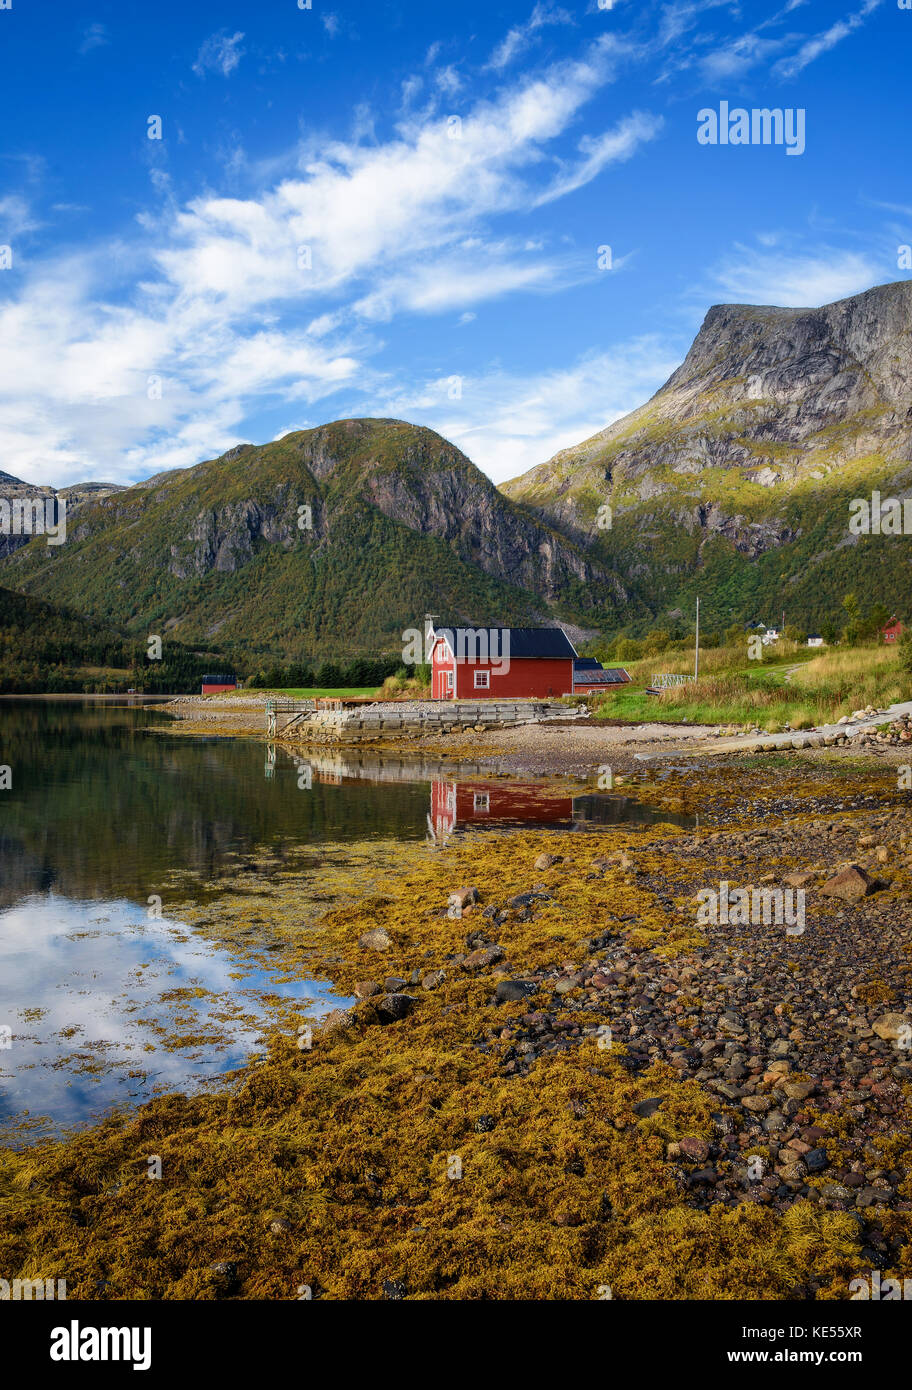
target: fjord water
<point>104,806</point>
<point>108,809</point>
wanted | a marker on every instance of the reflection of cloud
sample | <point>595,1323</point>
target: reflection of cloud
<point>99,970</point>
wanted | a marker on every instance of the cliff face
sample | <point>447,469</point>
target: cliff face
<point>773,421</point>
<point>13,488</point>
<point>342,535</point>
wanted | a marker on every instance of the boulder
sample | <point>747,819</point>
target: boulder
<point>694,1148</point>
<point>363,989</point>
<point>850,885</point>
<point>892,1027</point>
<point>390,1008</point>
<point>512,991</point>
<point>375,940</point>
<point>463,897</point>
<point>483,957</point>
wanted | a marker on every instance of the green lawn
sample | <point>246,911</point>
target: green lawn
<point>312,693</point>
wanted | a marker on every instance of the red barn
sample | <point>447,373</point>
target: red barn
<point>893,631</point>
<point>214,685</point>
<point>501,663</point>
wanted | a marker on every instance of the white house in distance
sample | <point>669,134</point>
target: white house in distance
<point>815,640</point>
<point>766,634</point>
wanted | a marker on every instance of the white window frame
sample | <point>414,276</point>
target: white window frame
<point>481,801</point>
<point>482,680</point>
<point>450,681</point>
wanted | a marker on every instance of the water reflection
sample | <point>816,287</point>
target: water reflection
<point>110,1006</point>
<point>106,807</point>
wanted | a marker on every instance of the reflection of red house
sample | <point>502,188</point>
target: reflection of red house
<point>512,663</point>
<point>462,802</point>
<point>893,631</point>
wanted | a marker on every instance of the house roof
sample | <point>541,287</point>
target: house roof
<point>548,643</point>
<point>614,676</point>
<point>587,663</point>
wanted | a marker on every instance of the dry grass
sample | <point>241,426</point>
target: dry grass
<point>765,694</point>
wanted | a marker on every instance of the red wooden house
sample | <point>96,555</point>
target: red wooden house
<point>214,685</point>
<point>893,631</point>
<point>501,663</point>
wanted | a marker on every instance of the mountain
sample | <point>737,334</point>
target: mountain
<point>734,480</point>
<point>75,496</point>
<point>47,648</point>
<point>400,522</point>
<point>734,483</point>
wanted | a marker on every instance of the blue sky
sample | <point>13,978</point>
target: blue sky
<point>397,208</point>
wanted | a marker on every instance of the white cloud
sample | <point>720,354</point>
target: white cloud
<point>793,281</point>
<point>94,36</point>
<point>220,53</point>
<point>519,38</point>
<point>738,57</point>
<point>612,147</point>
<point>448,80</point>
<point>822,43</point>
<point>507,423</point>
<point>16,217</point>
<point>216,299</point>
<point>331,24</point>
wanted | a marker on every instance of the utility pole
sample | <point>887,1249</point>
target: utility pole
<point>697,651</point>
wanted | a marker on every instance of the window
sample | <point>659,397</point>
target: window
<point>450,680</point>
<point>482,680</point>
<point>481,802</point>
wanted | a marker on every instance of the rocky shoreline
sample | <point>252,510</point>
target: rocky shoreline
<point>555,1078</point>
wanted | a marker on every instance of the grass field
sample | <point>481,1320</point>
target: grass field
<point>797,687</point>
<point>314,693</point>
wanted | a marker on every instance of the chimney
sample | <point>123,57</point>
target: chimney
<point>429,619</point>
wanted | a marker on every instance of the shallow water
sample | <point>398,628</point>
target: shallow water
<point>107,995</point>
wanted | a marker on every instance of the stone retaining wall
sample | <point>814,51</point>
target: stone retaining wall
<point>385,721</point>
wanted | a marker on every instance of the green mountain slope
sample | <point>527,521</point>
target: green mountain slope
<point>400,522</point>
<point>48,648</point>
<point>734,481</point>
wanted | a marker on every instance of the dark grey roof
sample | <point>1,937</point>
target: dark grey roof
<point>615,676</point>
<point>550,643</point>
<point>587,663</point>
